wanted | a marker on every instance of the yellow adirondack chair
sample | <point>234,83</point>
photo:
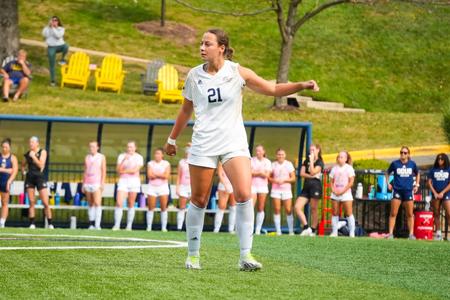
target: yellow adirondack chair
<point>169,88</point>
<point>77,71</point>
<point>111,74</point>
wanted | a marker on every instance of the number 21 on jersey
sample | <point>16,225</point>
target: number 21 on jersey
<point>214,95</point>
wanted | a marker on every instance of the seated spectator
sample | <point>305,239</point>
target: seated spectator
<point>16,72</point>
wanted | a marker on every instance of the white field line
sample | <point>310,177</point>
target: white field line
<point>171,244</point>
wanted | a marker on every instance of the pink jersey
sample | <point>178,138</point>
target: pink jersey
<point>93,169</point>
<point>226,181</point>
<point>263,165</point>
<point>185,177</point>
<point>282,171</point>
<point>342,177</point>
<point>158,169</point>
<point>132,162</point>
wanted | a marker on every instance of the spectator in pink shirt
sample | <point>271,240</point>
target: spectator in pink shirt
<point>158,173</point>
<point>183,187</point>
<point>283,174</point>
<point>342,177</point>
<point>261,169</point>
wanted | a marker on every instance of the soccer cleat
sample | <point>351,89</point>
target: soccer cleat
<point>333,234</point>
<point>32,226</point>
<point>249,263</point>
<point>390,237</point>
<point>307,232</point>
<point>115,228</point>
<point>164,230</point>
<point>149,228</point>
<point>438,236</point>
<point>352,235</point>
<point>232,232</point>
<point>98,228</point>
<point>2,225</point>
<point>291,233</point>
<point>411,237</point>
<point>128,228</point>
<point>91,227</point>
<point>51,226</point>
<point>193,263</point>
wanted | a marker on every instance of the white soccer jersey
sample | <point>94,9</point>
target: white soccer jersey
<point>217,99</point>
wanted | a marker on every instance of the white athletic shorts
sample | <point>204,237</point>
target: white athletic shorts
<point>158,190</point>
<point>283,195</point>
<point>185,191</point>
<point>129,185</point>
<point>212,161</point>
<point>342,198</point>
<point>91,188</point>
<point>223,188</point>
<point>260,189</point>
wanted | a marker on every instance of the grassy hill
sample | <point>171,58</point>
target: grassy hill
<point>387,57</point>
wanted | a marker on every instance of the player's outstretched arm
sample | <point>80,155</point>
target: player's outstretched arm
<point>262,86</point>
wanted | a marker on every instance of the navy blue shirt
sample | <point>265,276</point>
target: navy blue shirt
<point>15,70</point>
<point>404,174</point>
<point>440,178</point>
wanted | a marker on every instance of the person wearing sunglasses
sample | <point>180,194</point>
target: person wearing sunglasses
<point>405,185</point>
<point>439,183</point>
<point>54,37</point>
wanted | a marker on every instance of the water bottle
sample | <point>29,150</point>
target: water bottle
<point>213,202</point>
<point>22,198</point>
<point>57,199</point>
<point>73,222</point>
<point>372,192</point>
<point>52,199</point>
<point>27,201</point>
<point>76,199</point>
<point>359,191</point>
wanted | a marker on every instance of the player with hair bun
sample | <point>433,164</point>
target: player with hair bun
<point>213,90</point>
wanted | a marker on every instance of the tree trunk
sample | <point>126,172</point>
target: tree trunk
<point>163,12</point>
<point>9,28</point>
<point>283,66</point>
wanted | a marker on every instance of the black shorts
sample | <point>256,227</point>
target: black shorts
<point>312,189</point>
<point>403,195</point>
<point>3,186</point>
<point>35,181</point>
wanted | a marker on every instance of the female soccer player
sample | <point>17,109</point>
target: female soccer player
<point>158,173</point>
<point>8,172</point>
<point>225,190</point>
<point>405,173</point>
<point>342,177</point>
<point>261,169</point>
<point>439,183</point>
<point>128,166</point>
<point>214,90</point>
<point>35,160</point>
<point>183,187</point>
<point>283,174</point>
<point>311,171</point>
<point>93,183</point>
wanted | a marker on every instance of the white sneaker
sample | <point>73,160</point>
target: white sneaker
<point>98,228</point>
<point>115,228</point>
<point>249,263</point>
<point>193,263</point>
<point>291,233</point>
<point>149,228</point>
<point>438,236</point>
<point>2,225</point>
<point>258,233</point>
<point>313,234</point>
<point>51,227</point>
<point>279,233</point>
<point>32,226</point>
<point>232,232</point>
<point>352,235</point>
<point>164,230</point>
<point>91,227</point>
<point>334,234</point>
<point>306,232</point>
<point>128,228</point>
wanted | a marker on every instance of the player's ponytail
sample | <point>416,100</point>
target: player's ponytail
<point>222,39</point>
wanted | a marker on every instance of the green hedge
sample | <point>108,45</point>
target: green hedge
<point>376,164</point>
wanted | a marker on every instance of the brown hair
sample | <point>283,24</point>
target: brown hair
<point>222,39</point>
<point>349,158</point>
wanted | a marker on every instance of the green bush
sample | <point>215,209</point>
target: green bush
<point>375,164</point>
<point>446,121</point>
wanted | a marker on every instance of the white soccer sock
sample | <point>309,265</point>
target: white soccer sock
<point>195,218</point>
<point>277,221</point>
<point>232,219</point>
<point>351,225</point>
<point>259,221</point>
<point>91,213</point>
<point>245,221</point>
<point>218,220</point>
<point>164,220</point>
<point>149,219</point>
<point>118,212</point>
<point>290,222</point>
<point>130,217</point>
<point>2,222</point>
<point>334,224</point>
<point>180,218</point>
<point>98,216</point>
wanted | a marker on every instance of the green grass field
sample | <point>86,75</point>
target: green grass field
<point>293,268</point>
